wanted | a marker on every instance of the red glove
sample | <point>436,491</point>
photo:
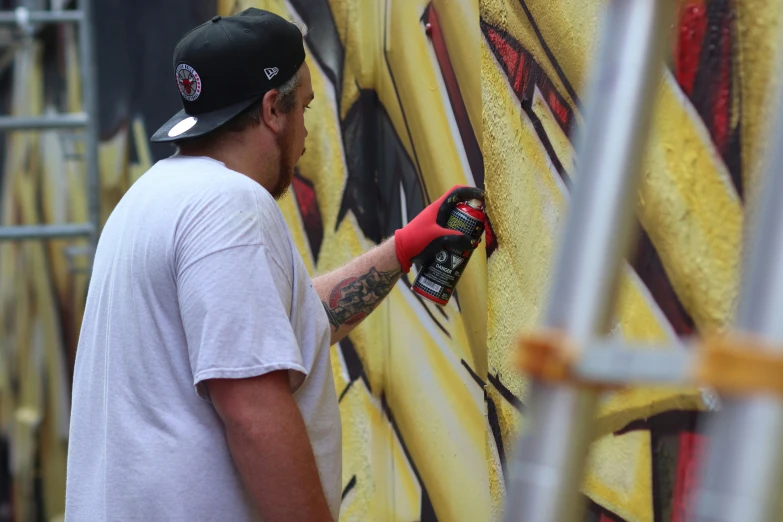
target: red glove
<point>422,238</point>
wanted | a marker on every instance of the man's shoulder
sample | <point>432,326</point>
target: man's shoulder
<point>216,202</point>
<point>204,181</point>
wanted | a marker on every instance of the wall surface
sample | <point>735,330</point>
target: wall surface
<point>413,97</point>
<point>701,167</point>
<point>393,127</point>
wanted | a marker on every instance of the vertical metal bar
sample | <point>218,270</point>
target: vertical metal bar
<point>549,461</point>
<point>88,68</point>
<point>741,477</point>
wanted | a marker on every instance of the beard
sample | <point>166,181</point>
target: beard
<point>288,160</point>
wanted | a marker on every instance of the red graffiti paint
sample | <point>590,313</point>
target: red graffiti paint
<point>704,67</point>
<point>558,107</point>
<point>311,214</point>
<point>524,74</point>
<point>508,54</point>
<point>693,27</point>
<point>689,458</point>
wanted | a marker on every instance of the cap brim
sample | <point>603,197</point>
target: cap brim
<point>183,125</point>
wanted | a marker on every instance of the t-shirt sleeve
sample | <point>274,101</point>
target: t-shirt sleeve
<point>235,322</point>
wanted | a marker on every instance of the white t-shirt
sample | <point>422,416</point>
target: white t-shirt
<point>195,277</point>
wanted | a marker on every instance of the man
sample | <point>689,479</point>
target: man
<point>203,388</point>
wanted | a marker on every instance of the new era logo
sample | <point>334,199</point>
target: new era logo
<point>271,72</point>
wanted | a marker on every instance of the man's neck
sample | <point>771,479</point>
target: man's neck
<point>253,164</point>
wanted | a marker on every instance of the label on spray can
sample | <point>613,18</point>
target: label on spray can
<point>437,280</point>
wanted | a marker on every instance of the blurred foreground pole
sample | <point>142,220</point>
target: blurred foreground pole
<point>741,476</point>
<point>548,464</point>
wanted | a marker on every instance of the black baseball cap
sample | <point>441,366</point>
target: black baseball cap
<point>226,64</point>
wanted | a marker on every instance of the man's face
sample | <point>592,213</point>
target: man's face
<point>292,139</point>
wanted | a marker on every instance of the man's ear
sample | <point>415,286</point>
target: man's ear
<point>270,115</point>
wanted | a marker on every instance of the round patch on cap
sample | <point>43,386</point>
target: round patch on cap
<point>188,81</point>
<point>183,126</point>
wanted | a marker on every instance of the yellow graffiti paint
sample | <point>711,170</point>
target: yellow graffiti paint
<point>511,17</point>
<point>759,50</point>
<point>364,24</point>
<point>425,105</point>
<point>360,25</point>
<point>525,208</point>
<point>619,475</point>
<point>508,416</point>
<point>384,482</point>
<point>688,208</point>
<point>460,23</point>
<point>571,31</point>
<point>556,135</point>
<point>520,268</point>
<point>497,488</point>
<point>691,211</point>
<point>440,413</point>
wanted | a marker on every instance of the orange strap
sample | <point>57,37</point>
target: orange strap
<point>739,364</point>
<point>732,364</point>
<point>549,355</point>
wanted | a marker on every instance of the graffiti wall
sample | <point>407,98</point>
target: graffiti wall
<point>413,97</point>
<point>394,126</point>
<point>702,162</point>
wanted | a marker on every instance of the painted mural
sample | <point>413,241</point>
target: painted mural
<point>413,97</point>
<point>700,168</point>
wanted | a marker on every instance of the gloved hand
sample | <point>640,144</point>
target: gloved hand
<point>423,237</point>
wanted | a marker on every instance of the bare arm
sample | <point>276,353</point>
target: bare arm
<point>350,293</point>
<point>270,446</point>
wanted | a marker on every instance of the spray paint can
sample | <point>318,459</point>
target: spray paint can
<point>437,280</point>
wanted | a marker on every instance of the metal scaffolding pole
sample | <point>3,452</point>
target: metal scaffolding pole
<point>87,121</point>
<point>25,232</point>
<point>548,463</point>
<point>89,76</point>
<point>54,121</point>
<point>23,15</point>
<point>741,476</point>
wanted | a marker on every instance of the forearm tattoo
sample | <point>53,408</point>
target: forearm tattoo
<point>355,298</point>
